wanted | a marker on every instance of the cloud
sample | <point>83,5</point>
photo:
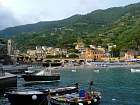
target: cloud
<point>6,18</point>
<point>16,12</point>
<point>29,11</point>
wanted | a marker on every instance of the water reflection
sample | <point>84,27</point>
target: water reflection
<point>118,86</point>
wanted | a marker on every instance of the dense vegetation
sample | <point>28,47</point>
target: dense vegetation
<point>119,25</point>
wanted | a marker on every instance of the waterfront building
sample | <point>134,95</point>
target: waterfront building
<point>31,53</point>
<point>16,52</point>
<point>44,48</point>
<point>87,53</point>
<point>53,51</point>
<point>3,49</point>
<point>4,57</point>
<point>92,46</point>
<point>39,53</point>
<point>42,52</point>
<point>129,55</point>
<point>64,52</point>
<point>94,54</point>
<point>80,46</point>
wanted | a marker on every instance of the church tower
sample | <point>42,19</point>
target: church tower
<point>10,47</point>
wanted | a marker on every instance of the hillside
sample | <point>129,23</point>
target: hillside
<point>96,18</point>
<point>118,25</point>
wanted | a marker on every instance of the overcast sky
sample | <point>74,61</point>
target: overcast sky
<point>17,12</point>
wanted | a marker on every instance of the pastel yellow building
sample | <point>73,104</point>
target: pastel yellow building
<point>129,55</point>
<point>31,52</point>
<point>94,54</point>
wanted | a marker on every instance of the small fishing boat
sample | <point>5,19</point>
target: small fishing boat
<point>135,70</point>
<point>75,99</point>
<point>50,74</point>
<point>82,97</point>
<point>29,97</point>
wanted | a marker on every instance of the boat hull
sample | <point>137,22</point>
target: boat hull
<point>84,102</point>
<point>78,98</point>
<point>73,103</point>
<point>37,97</point>
<point>41,78</point>
<point>22,99</point>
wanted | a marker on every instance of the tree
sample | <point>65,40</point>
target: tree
<point>115,52</point>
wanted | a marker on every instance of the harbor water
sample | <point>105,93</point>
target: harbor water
<point>119,86</point>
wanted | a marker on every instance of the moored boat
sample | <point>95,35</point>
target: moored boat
<point>135,70</point>
<point>82,97</point>
<point>44,75</point>
<point>76,99</point>
<point>27,97</point>
<point>74,70</point>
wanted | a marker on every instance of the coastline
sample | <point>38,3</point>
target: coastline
<point>67,67</point>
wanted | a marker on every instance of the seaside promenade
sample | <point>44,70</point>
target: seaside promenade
<point>99,66</point>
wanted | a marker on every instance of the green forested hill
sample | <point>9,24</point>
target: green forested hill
<point>119,25</point>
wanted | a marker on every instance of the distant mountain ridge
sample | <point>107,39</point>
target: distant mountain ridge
<point>118,25</point>
<point>94,19</point>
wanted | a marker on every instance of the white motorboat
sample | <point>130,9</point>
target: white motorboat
<point>97,71</point>
<point>45,74</point>
<point>73,70</point>
<point>135,70</point>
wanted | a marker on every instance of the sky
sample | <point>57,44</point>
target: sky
<point>19,12</point>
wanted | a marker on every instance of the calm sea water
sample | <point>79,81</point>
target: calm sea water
<point>118,85</point>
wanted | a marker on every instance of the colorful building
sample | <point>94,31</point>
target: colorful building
<point>80,46</point>
<point>94,54</point>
